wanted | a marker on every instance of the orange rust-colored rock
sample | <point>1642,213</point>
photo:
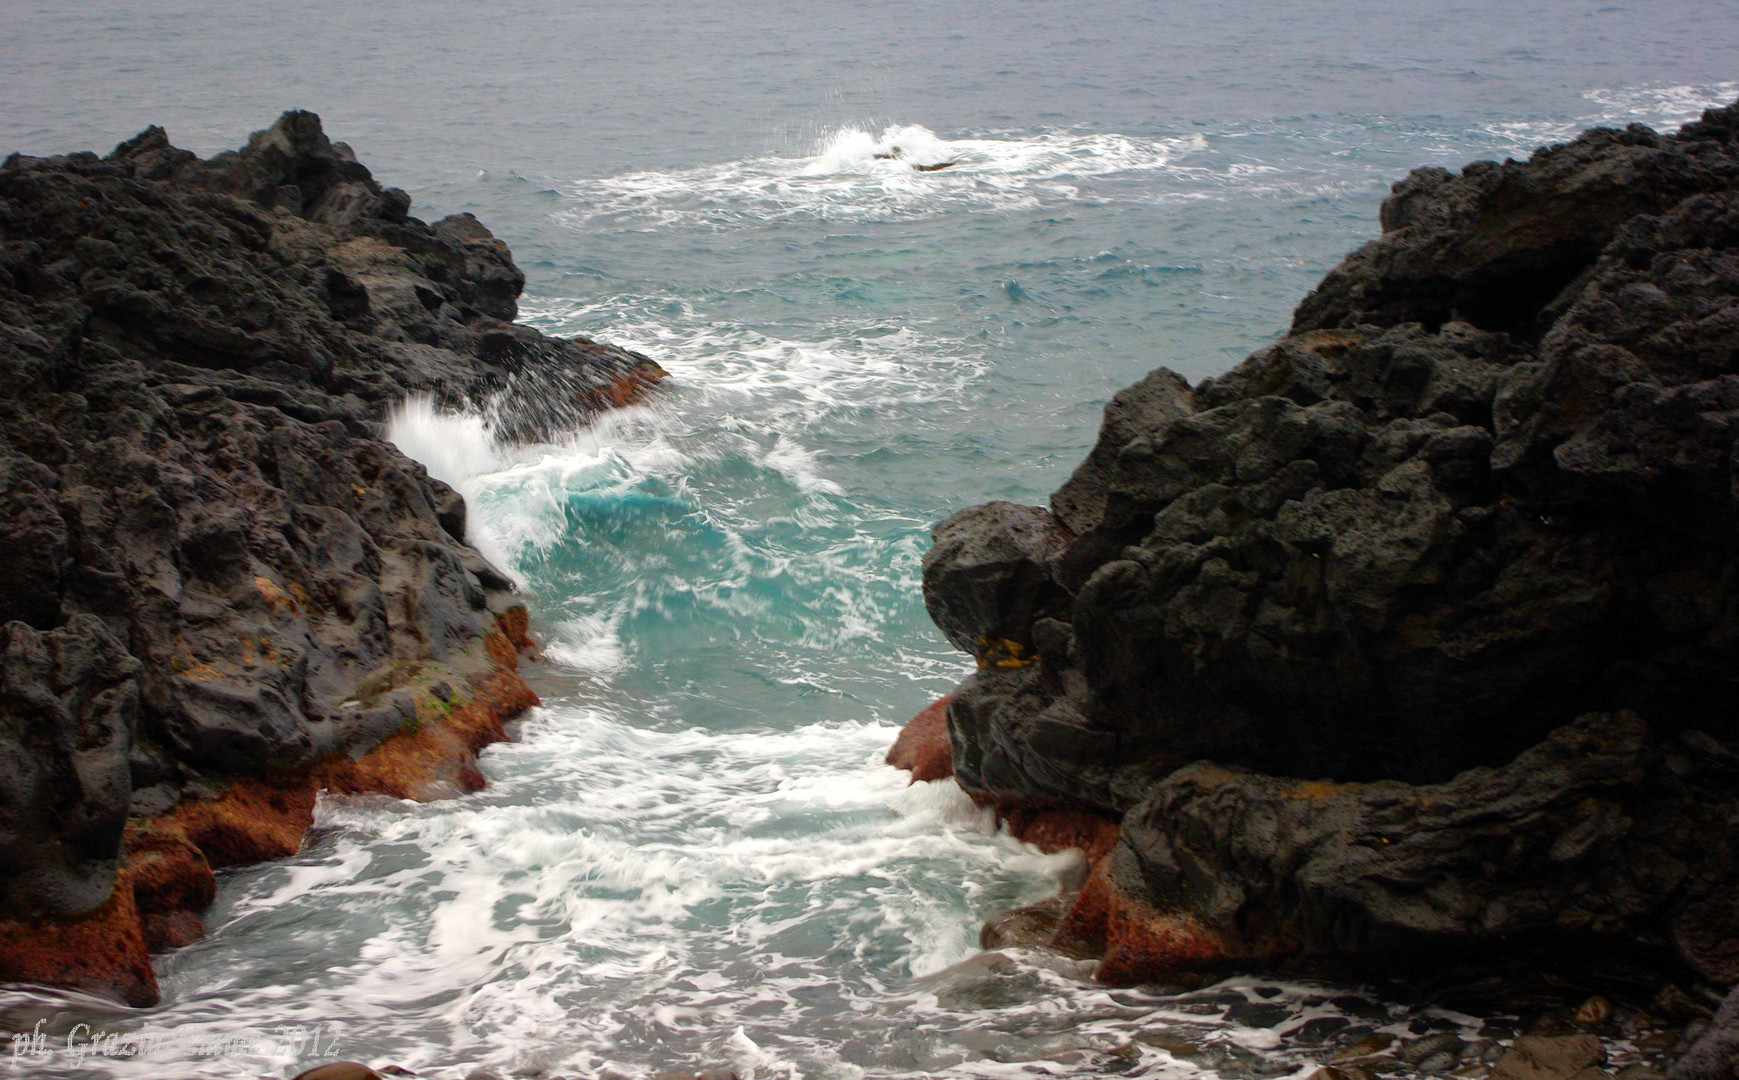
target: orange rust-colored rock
<point>168,870</point>
<point>172,929</point>
<point>1137,943</point>
<point>501,651</point>
<point>104,952</point>
<point>922,747</point>
<point>1083,926</point>
<point>427,762</point>
<point>515,626</point>
<point>252,821</point>
<point>1058,830</point>
<point>167,877</point>
<point>1142,947</point>
<point>629,388</point>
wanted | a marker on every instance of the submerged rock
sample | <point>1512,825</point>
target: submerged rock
<point>1559,1057</point>
<point>1416,635</point>
<point>1028,926</point>
<point>214,571</point>
<point>339,1070</point>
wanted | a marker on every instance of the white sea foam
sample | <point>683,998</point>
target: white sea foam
<point>454,447</point>
<point>1662,107</point>
<point>855,174</point>
<point>612,900</point>
<point>1659,105</point>
<point>797,464</point>
<point>589,643</point>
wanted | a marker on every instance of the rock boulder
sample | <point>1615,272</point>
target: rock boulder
<point>1418,630</point>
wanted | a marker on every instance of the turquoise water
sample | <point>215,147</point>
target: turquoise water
<point>692,855</point>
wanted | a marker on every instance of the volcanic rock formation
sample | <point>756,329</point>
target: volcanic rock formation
<point>1416,635</point>
<point>220,589</point>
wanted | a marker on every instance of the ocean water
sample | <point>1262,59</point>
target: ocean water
<point>691,856</point>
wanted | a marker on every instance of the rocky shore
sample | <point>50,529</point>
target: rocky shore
<point>1410,645</point>
<point>221,590</point>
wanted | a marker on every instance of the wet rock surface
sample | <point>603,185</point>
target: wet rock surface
<point>922,747</point>
<point>1415,634</point>
<point>211,564</point>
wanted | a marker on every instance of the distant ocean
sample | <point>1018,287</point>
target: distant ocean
<point>693,856</point>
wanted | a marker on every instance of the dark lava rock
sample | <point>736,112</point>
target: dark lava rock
<point>1462,546</point>
<point>1715,1054</point>
<point>1567,843</point>
<point>1497,245</point>
<point>990,565</point>
<point>211,564</point>
<point>69,705</point>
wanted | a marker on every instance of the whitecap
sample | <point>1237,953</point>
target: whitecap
<point>854,174</point>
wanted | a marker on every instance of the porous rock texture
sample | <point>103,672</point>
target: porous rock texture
<point>1714,1056</point>
<point>1416,635</point>
<point>220,588</point>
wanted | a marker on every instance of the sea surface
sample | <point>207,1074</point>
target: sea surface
<point>692,855</point>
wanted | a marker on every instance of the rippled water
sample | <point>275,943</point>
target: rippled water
<point>692,855</point>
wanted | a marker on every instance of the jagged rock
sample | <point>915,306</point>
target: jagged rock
<point>211,564</point>
<point>1136,412</point>
<point>1496,245</point>
<point>1485,487</point>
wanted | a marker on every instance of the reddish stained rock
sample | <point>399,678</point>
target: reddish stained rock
<point>167,878</point>
<point>167,869</point>
<point>103,952</point>
<point>1083,927</point>
<point>427,762</point>
<point>1136,943</point>
<point>172,930</point>
<point>515,626</point>
<point>342,1070</point>
<point>252,821</point>
<point>922,747</point>
<point>1052,831</point>
<point>629,388</point>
